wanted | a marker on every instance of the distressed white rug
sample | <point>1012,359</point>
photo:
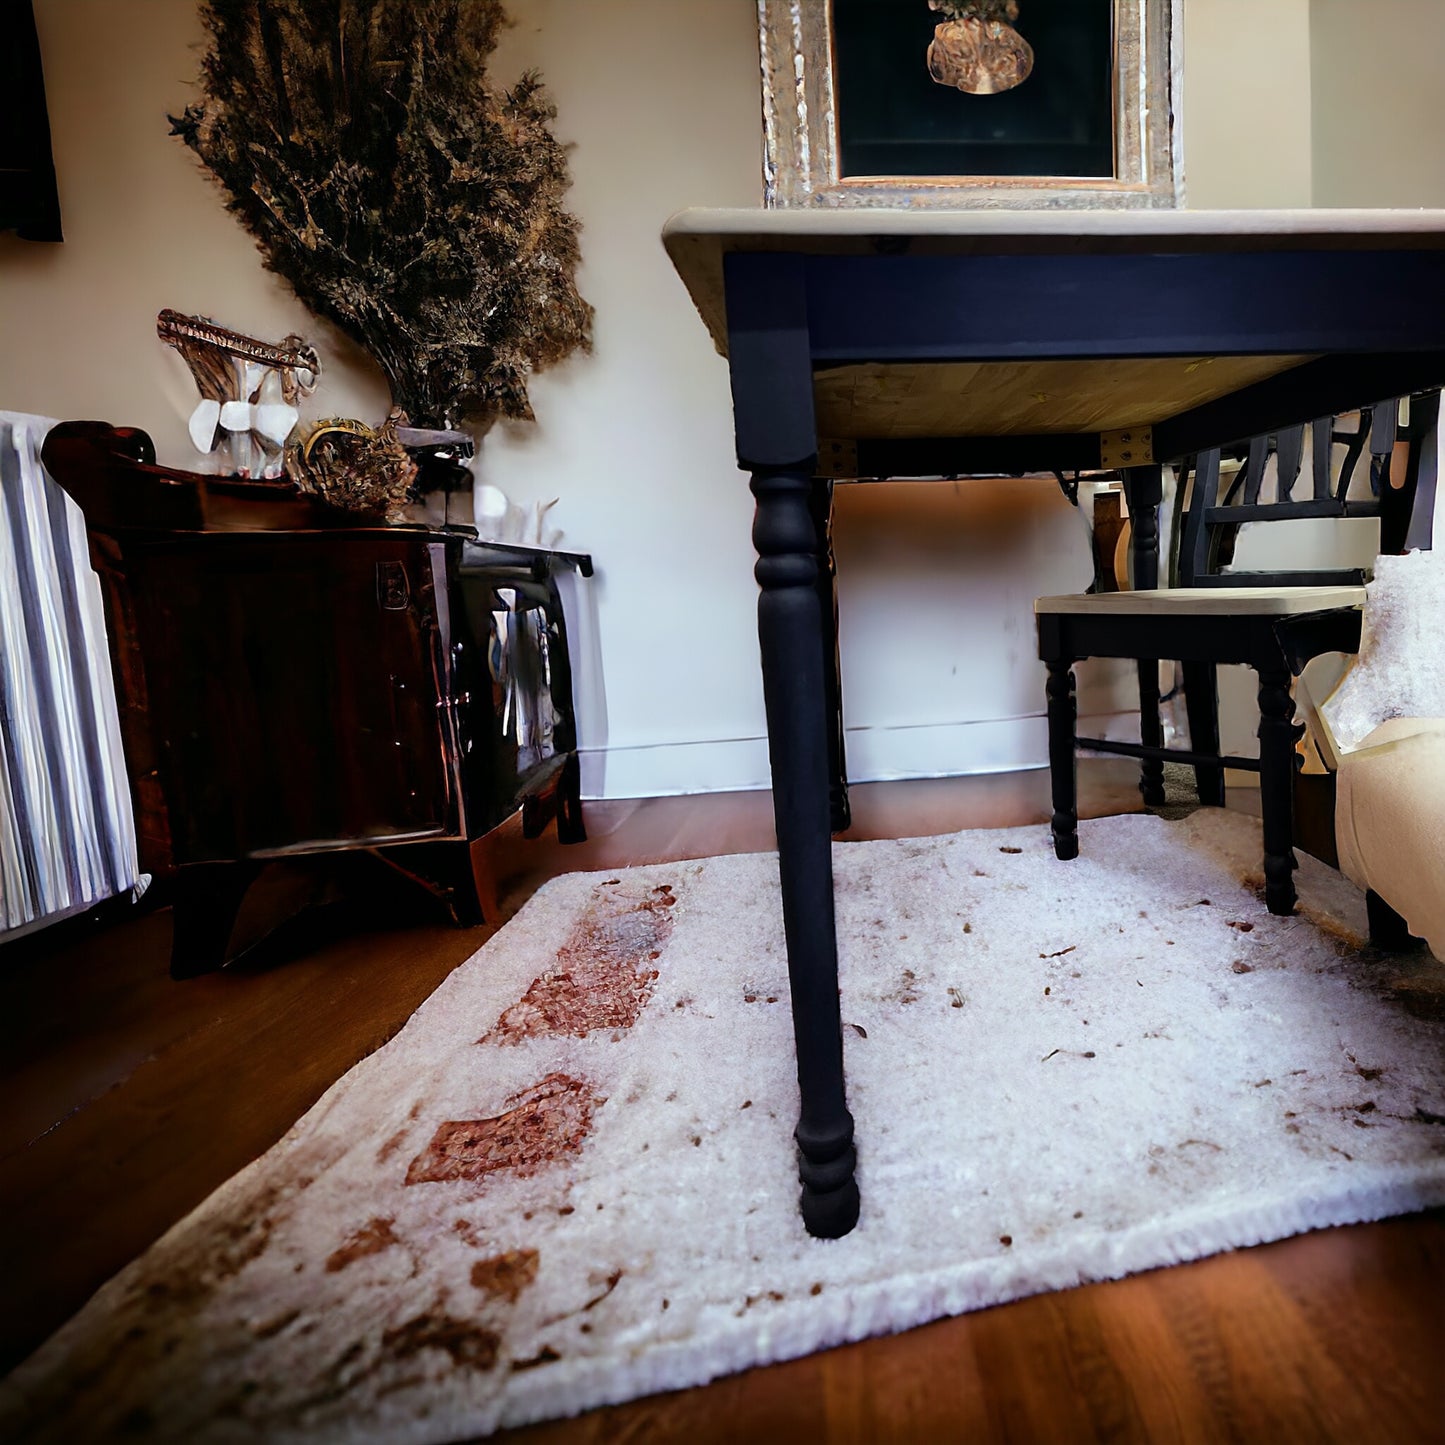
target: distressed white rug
<point>570,1179</point>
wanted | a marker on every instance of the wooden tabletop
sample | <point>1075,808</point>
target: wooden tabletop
<point>1024,397</point>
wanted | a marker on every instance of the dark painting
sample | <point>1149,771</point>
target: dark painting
<point>894,119</point>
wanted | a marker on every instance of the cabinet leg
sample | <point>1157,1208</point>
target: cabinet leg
<point>789,628</point>
<point>570,828</point>
<point>456,874</point>
<point>208,898</point>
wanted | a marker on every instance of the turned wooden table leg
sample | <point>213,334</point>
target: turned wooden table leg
<point>1277,737</point>
<point>790,627</point>
<point>821,504</point>
<point>1063,711</point>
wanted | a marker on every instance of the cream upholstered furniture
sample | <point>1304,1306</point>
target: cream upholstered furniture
<point>1390,823</point>
<point>1383,733</point>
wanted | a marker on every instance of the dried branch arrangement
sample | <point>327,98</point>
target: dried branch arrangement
<point>400,196</point>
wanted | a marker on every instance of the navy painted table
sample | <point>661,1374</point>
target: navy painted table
<point>874,344</point>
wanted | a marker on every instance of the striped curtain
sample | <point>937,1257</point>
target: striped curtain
<point>67,834</point>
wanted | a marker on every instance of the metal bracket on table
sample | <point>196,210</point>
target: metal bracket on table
<point>1129,447</point>
<point>837,459</point>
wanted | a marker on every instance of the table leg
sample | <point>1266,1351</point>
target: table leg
<point>821,505</point>
<point>1277,737</point>
<point>790,631</point>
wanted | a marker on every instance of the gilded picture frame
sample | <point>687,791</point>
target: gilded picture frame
<point>803,136</point>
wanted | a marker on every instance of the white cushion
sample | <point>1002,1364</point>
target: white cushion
<point>1401,668</point>
<point>1205,601</point>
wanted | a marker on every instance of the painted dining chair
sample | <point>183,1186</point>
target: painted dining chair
<point>1272,621</point>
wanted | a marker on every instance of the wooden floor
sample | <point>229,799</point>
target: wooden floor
<point>127,1098</point>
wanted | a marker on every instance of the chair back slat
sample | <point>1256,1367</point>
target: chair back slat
<point>1425,458</point>
<point>1354,443</point>
<point>1384,433</point>
<point>1384,427</point>
<point>1194,537</point>
<point>1254,465</point>
<point>1289,450</point>
<point>1322,436</point>
<point>1407,512</point>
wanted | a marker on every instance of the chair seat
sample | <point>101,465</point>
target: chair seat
<point>1203,602</point>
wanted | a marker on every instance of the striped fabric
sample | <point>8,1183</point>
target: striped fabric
<point>67,834</point>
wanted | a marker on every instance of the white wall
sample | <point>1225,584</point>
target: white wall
<point>660,99</point>
<point>1247,113</point>
<point>1379,102</point>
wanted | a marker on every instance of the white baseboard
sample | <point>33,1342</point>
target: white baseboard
<point>928,750</point>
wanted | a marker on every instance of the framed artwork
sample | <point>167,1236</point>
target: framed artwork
<point>959,103</point>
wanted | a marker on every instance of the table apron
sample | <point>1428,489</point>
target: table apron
<point>1002,308</point>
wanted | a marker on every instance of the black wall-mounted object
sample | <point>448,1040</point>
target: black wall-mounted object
<point>29,200</point>
<point>895,120</point>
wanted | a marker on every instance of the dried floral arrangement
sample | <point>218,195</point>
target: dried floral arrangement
<point>400,195</point>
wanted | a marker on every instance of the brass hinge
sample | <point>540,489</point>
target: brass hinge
<point>837,459</point>
<point>1131,447</point>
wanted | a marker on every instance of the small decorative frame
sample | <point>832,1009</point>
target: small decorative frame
<point>801,124</point>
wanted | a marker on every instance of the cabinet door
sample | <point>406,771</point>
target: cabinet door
<point>296,691</point>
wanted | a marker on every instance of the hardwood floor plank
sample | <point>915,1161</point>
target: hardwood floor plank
<point>126,1098</point>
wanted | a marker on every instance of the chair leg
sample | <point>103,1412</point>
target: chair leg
<point>1063,713</point>
<point>1277,737</point>
<point>1201,701</point>
<point>1151,734</point>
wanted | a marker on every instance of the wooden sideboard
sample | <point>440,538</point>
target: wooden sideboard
<point>291,688</point>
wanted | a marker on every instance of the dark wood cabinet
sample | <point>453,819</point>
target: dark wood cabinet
<point>291,688</point>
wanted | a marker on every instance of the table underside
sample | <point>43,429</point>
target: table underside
<point>1022,398</point>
